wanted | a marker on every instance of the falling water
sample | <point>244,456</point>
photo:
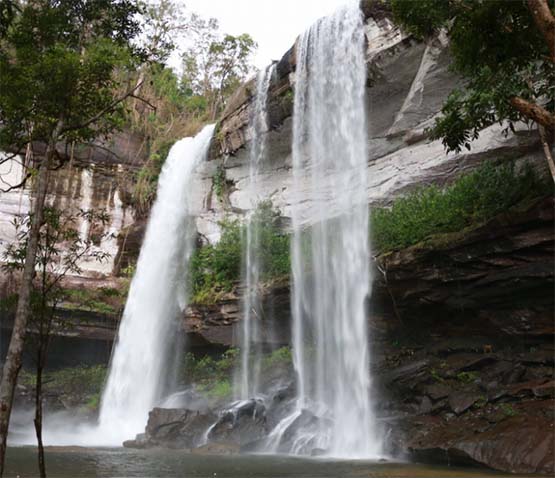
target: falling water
<point>331,259</point>
<point>86,202</point>
<point>247,382</point>
<point>147,332</point>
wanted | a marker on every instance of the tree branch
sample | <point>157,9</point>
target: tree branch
<point>545,21</point>
<point>534,112</point>
<point>17,186</point>
<point>101,113</point>
<point>144,101</point>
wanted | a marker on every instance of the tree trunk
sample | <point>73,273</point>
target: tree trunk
<point>15,349</point>
<point>545,21</point>
<point>534,112</point>
<point>547,150</point>
<point>38,412</point>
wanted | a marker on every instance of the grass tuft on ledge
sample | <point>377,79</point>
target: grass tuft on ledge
<point>471,199</point>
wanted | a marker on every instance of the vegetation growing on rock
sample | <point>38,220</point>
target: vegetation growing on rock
<point>213,375</point>
<point>216,268</point>
<point>78,386</point>
<point>472,199</point>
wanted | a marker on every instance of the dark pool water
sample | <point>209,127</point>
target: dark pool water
<point>75,462</point>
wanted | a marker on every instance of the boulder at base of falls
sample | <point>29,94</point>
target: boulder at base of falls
<point>173,428</point>
<point>243,423</point>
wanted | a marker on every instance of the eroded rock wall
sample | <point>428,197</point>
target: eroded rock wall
<point>408,81</point>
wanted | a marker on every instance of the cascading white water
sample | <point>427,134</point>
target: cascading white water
<point>247,381</point>
<point>86,201</point>
<point>330,260</point>
<point>148,329</point>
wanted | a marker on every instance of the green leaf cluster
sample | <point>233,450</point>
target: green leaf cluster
<point>212,375</point>
<point>471,199</point>
<point>57,66</point>
<point>499,51</point>
<point>214,269</point>
<point>83,380</point>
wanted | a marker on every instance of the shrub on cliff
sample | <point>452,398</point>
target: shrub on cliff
<point>215,268</point>
<point>471,199</point>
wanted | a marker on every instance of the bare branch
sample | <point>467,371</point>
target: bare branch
<point>17,186</point>
<point>144,101</point>
<point>101,113</point>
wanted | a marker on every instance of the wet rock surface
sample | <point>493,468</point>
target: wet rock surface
<point>173,428</point>
<point>478,410</point>
<point>462,333</point>
<point>243,423</point>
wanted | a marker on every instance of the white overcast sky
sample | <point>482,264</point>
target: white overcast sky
<point>273,24</point>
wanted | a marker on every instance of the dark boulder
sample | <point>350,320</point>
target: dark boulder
<point>244,422</point>
<point>173,428</point>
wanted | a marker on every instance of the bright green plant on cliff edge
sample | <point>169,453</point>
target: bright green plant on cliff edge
<point>471,199</point>
<point>212,375</point>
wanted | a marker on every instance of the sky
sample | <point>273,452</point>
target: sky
<point>273,24</point>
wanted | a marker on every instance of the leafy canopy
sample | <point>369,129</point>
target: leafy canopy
<point>215,64</point>
<point>58,60</point>
<point>499,50</point>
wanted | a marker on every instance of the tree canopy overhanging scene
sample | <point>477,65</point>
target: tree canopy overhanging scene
<point>277,239</point>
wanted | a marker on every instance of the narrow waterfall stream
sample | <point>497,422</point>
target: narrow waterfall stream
<point>330,259</point>
<point>246,383</point>
<point>141,360</point>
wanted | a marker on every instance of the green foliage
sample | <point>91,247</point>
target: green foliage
<point>497,48</point>
<point>93,402</point>
<point>198,369</point>
<point>219,390</point>
<point>57,63</point>
<point>219,182</point>
<point>281,357</point>
<point>101,301</point>
<point>508,409</point>
<point>467,377</point>
<point>273,244</point>
<point>471,199</point>
<point>175,113</point>
<point>213,375</point>
<point>85,380</point>
<point>146,183</point>
<point>215,268</point>
<point>214,65</point>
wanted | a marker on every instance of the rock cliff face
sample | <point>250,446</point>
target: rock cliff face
<point>98,177</point>
<point>464,345</point>
<point>408,82</point>
<point>462,339</point>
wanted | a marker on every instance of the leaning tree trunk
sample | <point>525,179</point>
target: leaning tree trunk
<point>38,412</point>
<point>15,349</point>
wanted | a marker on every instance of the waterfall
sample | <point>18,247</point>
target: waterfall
<point>330,259</point>
<point>86,202</point>
<point>246,383</point>
<point>149,327</point>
